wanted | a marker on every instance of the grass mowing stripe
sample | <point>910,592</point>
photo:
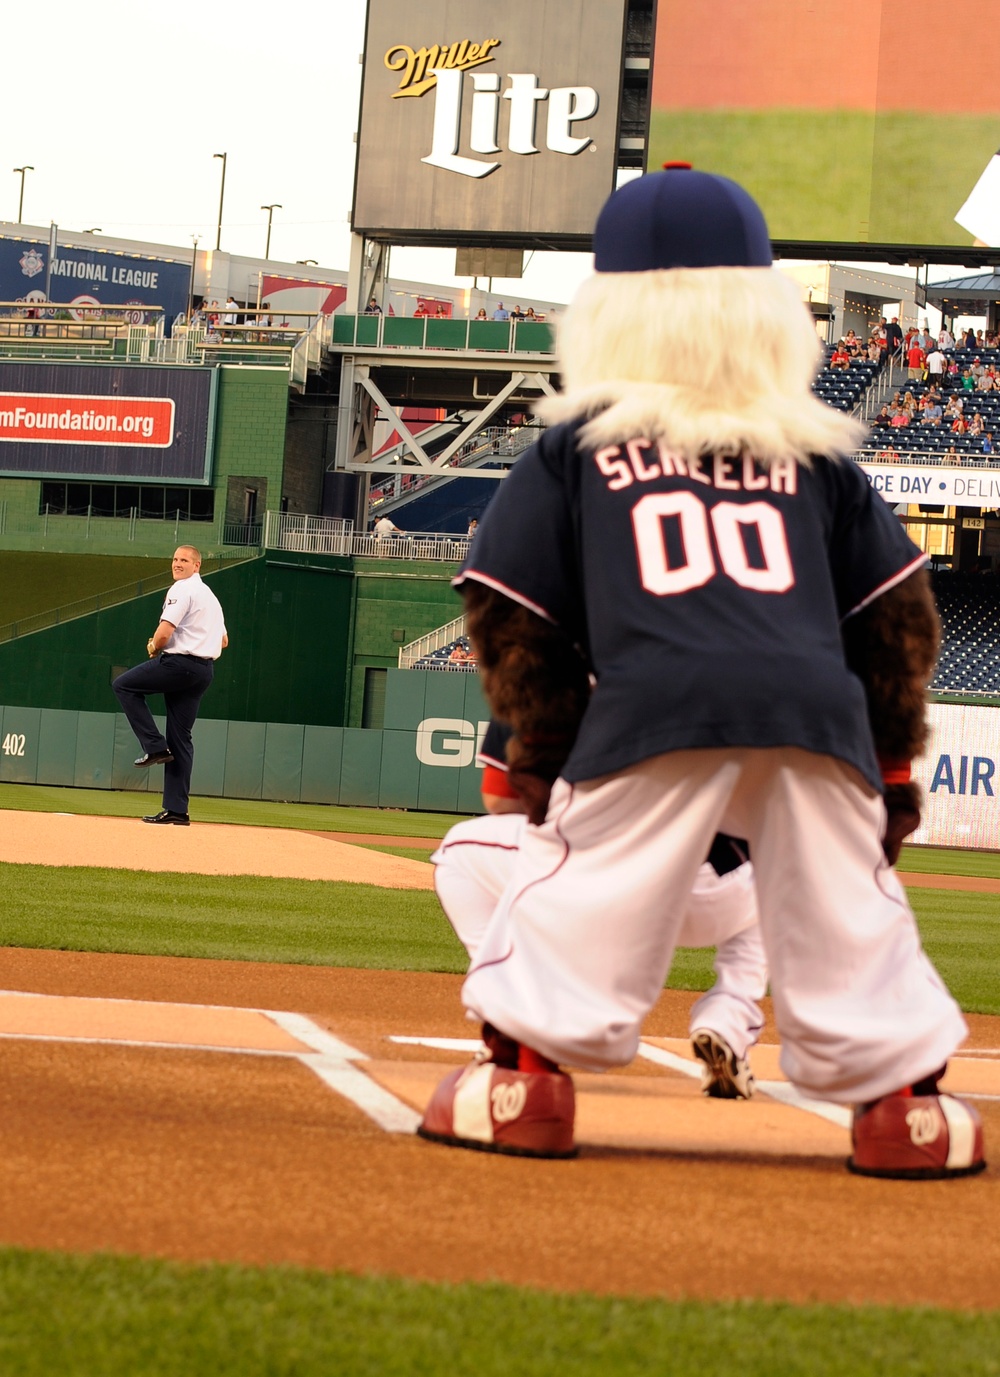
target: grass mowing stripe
<point>104,1315</point>
<point>247,918</point>
<point>942,860</point>
<point>313,922</point>
<point>311,817</point>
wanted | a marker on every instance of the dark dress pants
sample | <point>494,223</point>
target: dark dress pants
<point>182,680</point>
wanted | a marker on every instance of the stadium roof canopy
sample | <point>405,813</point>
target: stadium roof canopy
<point>974,294</point>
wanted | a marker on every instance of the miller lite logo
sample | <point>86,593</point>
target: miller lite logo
<point>443,70</point>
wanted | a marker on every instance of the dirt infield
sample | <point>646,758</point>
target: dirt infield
<point>251,1112</point>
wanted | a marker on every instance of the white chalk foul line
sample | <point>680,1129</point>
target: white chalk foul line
<point>777,1090</point>
<point>331,1059</point>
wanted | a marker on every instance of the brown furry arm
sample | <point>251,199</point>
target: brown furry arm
<point>535,680</point>
<point>892,645</point>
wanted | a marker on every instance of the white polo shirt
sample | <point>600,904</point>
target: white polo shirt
<point>196,614</point>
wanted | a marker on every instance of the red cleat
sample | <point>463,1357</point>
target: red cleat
<point>917,1134</point>
<point>492,1107</point>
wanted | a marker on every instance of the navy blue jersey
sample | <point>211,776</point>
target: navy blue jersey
<point>493,750</point>
<point>706,597</point>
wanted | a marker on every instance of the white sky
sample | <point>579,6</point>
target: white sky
<point>121,115</point>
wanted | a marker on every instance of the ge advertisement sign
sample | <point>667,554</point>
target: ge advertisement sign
<point>960,776</point>
<point>484,119</point>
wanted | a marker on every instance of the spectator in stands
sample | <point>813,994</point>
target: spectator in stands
<point>530,314</point>
<point>899,416</point>
<point>945,339</point>
<point>936,364</point>
<point>473,528</point>
<point>460,655</point>
<point>517,313</point>
<point>976,426</point>
<point>440,314</point>
<point>894,336</point>
<point>874,350</point>
<point>951,456</point>
<point>481,314</point>
<point>851,343</point>
<point>970,339</point>
<point>954,406</point>
<point>927,340</point>
<point>373,308</point>
<point>883,418</point>
<point>910,403</point>
<point>888,456</point>
<point>959,426</point>
<point>501,312</point>
<point>915,360</point>
<point>421,312</point>
<point>229,311</point>
<point>384,528</point>
<point>840,358</point>
<point>988,442</point>
<point>968,381</point>
<point>985,382</point>
<point>933,413</point>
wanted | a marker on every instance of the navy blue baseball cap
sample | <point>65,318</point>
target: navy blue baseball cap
<point>679,218</point>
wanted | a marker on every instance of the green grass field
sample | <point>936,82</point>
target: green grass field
<point>839,175</point>
<point>97,1316</point>
<point>35,581</point>
<point>64,1316</point>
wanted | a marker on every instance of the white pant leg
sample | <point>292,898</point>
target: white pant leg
<point>584,934</point>
<point>722,912</point>
<point>860,1009</point>
<point>471,869</point>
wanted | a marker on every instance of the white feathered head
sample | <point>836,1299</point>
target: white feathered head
<point>687,334</point>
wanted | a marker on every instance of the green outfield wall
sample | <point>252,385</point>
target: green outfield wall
<point>308,634</point>
<point>422,758</point>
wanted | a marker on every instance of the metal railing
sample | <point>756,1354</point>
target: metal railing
<point>500,441</point>
<point>248,534</point>
<point>319,535</point>
<point>445,334</point>
<point>434,640</point>
<point>929,458</point>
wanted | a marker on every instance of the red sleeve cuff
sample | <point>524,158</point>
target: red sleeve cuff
<point>895,771</point>
<point>495,782</point>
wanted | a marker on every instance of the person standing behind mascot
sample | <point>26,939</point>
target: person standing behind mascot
<point>760,632</point>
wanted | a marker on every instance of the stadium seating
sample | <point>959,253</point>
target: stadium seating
<point>441,659</point>
<point>970,619</point>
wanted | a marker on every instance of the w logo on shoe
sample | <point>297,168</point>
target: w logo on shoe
<point>507,1101</point>
<point>924,1126</point>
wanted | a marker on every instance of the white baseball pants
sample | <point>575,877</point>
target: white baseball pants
<point>583,936</point>
<point>476,860</point>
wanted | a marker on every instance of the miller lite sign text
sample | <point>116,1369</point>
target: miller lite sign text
<point>484,134</point>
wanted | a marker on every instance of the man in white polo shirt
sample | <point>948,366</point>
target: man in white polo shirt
<point>182,652</point>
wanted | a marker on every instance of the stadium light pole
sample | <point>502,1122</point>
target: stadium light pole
<point>222,197</point>
<point>270,211</point>
<point>20,204</point>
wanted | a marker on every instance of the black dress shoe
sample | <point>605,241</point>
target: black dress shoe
<point>154,758</point>
<point>171,819</point>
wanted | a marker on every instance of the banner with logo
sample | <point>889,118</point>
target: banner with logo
<point>498,120</point>
<point>960,776</point>
<point>938,487</point>
<point>99,422</point>
<point>92,277</point>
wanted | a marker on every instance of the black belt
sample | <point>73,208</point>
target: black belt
<point>183,655</point>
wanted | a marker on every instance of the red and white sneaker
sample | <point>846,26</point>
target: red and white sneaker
<point>496,1105</point>
<point>917,1134</point>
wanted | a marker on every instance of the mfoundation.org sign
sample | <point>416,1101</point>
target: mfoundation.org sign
<point>53,418</point>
